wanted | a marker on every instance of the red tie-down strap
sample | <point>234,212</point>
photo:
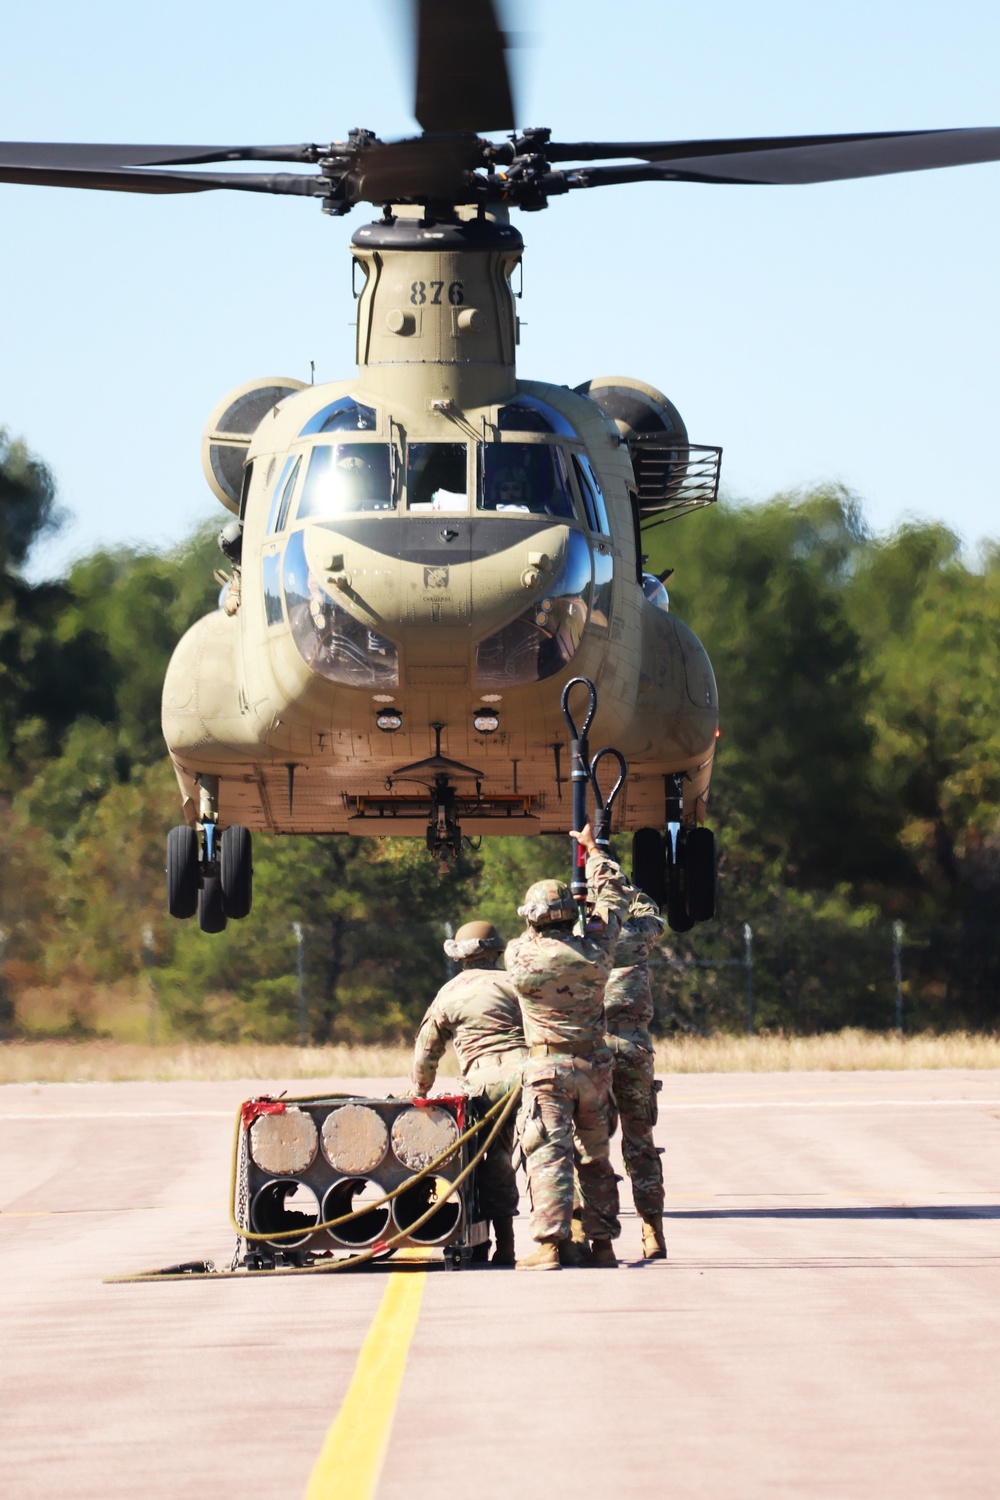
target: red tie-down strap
<point>254,1108</point>
<point>457,1102</point>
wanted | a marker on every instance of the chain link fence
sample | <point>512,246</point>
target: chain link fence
<point>883,976</point>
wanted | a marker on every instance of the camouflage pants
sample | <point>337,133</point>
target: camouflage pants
<point>633,1086</point>
<point>495,1177</point>
<point>563,1122</point>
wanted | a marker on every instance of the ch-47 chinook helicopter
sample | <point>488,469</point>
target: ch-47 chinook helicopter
<point>424,555</point>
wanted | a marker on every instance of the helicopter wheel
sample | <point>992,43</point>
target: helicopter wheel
<point>211,913</point>
<point>236,872</point>
<point>182,872</point>
<point>700,865</point>
<point>679,919</point>
<point>648,869</point>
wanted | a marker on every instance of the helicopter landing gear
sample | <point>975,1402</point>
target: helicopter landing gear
<point>648,868</point>
<point>210,874</point>
<point>183,875</point>
<point>236,871</point>
<point>700,861</point>
<point>211,913</point>
<point>679,918</point>
<point>444,834</point>
<point>677,871</point>
<point>690,862</point>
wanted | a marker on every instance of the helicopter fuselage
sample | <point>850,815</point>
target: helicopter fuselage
<point>429,553</point>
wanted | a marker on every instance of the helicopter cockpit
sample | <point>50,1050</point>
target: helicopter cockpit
<point>528,475</point>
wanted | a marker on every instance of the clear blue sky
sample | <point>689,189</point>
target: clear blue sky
<point>840,332</point>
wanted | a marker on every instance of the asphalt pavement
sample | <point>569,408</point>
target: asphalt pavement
<point>827,1324</point>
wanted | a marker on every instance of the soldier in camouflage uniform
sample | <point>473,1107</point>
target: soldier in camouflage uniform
<point>479,1013</point>
<point>560,980</point>
<point>628,1010</point>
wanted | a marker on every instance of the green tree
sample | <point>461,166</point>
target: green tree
<point>766,589</point>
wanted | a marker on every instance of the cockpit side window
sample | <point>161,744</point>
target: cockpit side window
<point>593,497</point>
<point>528,477</point>
<point>286,497</point>
<point>437,476</point>
<point>245,491</point>
<point>344,478</point>
<point>284,486</point>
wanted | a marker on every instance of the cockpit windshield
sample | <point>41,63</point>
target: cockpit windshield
<point>331,641</point>
<point>437,476</point>
<point>344,478</point>
<point>527,477</point>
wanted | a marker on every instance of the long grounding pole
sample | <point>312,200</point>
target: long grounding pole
<point>300,969</point>
<point>748,973</point>
<point>579,750</point>
<point>149,959</point>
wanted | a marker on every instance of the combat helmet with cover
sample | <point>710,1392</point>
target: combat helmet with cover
<point>474,940</point>
<point>547,902</point>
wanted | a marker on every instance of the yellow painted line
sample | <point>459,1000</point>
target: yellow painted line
<point>351,1458</point>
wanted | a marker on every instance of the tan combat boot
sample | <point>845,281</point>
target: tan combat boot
<point>654,1246</point>
<point>545,1258</point>
<point>602,1253</point>
<point>503,1255</point>
<point>574,1253</point>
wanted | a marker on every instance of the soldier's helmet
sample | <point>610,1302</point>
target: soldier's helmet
<point>474,940</point>
<point>547,901</point>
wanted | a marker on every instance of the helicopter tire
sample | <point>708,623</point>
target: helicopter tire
<point>679,919</point>
<point>211,914</point>
<point>236,871</point>
<point>648,864</point>
<point>182,872</point>
<point>700,867</point>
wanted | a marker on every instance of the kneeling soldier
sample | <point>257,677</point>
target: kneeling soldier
<point>478,1011</point>
<point>560,979</point>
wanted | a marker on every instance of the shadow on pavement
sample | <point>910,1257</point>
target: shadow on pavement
<point>937,1211</point>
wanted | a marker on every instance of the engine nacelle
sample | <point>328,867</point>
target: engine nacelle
<point>672,474</point>
<point>636,409</point>
<point>228,431</point>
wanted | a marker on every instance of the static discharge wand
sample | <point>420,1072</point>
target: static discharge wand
<point>583,773</point>
<point>602,815</point>
<point>579,754</point>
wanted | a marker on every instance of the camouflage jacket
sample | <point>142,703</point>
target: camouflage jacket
<point>628,999</point>
<point>559,977</point>
<point>478,1011</point>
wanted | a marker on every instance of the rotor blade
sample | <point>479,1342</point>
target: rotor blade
<point>74,155</point>
<point>782,159</point>
<point>132,180</point>
<point>462,77</point>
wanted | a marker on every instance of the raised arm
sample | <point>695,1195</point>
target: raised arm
<point>609,891</point>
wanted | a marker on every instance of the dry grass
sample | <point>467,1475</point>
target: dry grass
<point>117,1062</point>
<point>112,1062</point>
<point>836,1051</point>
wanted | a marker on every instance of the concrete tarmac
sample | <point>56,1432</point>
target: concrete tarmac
<point>827,1325</point>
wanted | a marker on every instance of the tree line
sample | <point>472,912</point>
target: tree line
<point>857,785</point>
